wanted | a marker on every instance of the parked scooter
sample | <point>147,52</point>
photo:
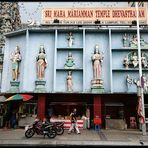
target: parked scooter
<point>58,126</point>
<point>40,128</point>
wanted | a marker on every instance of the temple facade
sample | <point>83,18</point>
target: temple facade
<point>93,67</point>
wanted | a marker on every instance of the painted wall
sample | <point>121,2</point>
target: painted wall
<point>11,43</point>
<point>30,74</point>
<point>56,48</point>
<point>102,39</point>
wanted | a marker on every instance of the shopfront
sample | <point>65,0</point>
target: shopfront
<point>59,107</point>
<point>56,106</point>
<point>27,113</point>
<point>114,116</point>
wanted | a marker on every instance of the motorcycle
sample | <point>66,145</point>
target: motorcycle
<point>40,128</point>
<point>59,127</point>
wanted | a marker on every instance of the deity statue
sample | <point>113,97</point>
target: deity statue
<point>70,39</point>
<point>41,63</point>
<point>134,59</point>
<point>15,58</point>
<point>69,82</point>
<point>129,81</point>
<point>134,42</point>
<point>145,82</point>
<point>125,40</point>
<point>69,62</point>
<point>144,60</point>
<point>126,62</point>
<point>97,59</point>
<point>143,43</point>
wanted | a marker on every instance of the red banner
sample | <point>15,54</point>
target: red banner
<point>139,110</point>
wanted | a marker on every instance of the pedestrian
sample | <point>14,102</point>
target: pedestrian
<point>7,119</point>
<point>97,123</point>
<point>88,117</point>
<point>50,113</point>
<point>74,122</point>
<point>13,120</point>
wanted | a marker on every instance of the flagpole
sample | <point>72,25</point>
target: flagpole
<point>140,72</point>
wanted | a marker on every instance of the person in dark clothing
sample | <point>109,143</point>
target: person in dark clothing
<point>13,121</point>
<point>7,119</point>
<point>73,122</point>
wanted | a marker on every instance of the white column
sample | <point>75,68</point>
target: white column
<point>140,71</point>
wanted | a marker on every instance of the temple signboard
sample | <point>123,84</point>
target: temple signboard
<point>92,14</point>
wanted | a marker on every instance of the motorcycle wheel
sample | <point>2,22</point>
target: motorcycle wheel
<point>29,133</point>
<point>51,133</point>
<point>59,130</point>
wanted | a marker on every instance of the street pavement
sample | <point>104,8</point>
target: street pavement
<point>106,137</point>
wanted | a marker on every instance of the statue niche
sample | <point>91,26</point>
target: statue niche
<point>131,60</point>
<point>132,41</point>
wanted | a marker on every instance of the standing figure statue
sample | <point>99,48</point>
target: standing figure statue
<point>143,43</point>
<point>15,58</point>
<point>145,82</point>
<point>70,39</point>
<point>126,62</point>
<point>125,40</point>
<point>134,59</point>
<point>69,82</point>
<point>97,59</point>
<point>41,63</point>
<point>134,41</point>
<point>144,60</point>
<point>129,82</point>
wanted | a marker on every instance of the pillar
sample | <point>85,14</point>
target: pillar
<point>41,106</point>
<point>97,106</point>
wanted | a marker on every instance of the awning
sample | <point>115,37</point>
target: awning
<point>23,97</point>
